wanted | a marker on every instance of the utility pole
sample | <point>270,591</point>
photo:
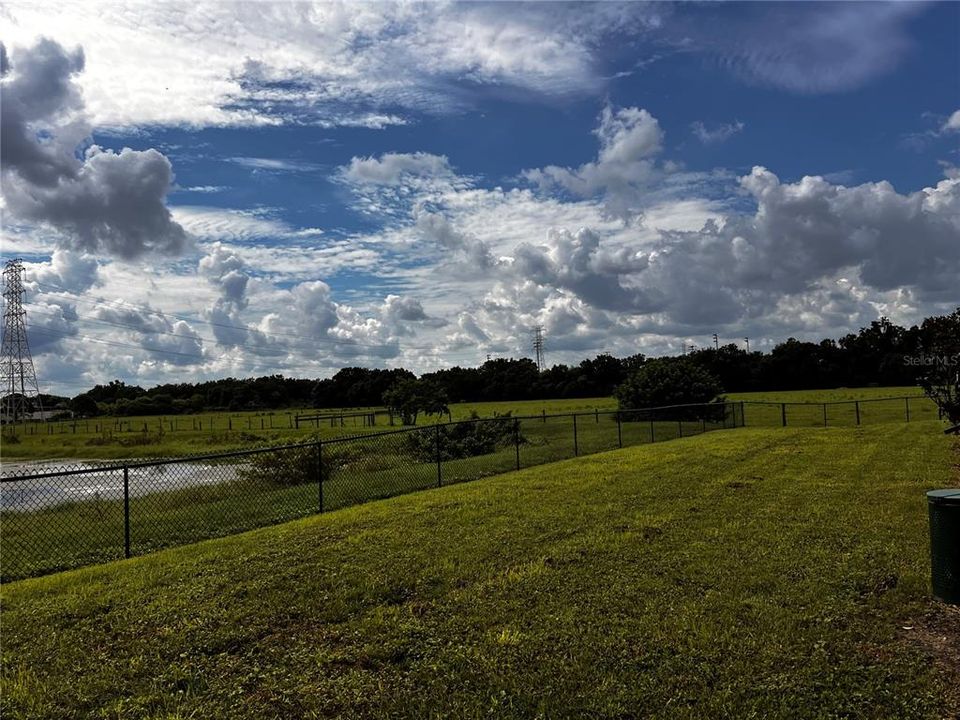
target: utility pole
<point>538,347</point>
<point>716,342</point>
<point>17,375</point>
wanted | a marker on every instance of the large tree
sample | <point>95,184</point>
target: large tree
<point>668,381</point>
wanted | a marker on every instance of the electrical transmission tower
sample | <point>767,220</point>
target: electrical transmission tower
<point>538,347</point>
<point>18,379</point>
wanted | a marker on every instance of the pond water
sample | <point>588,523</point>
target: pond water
<point>103,483</point>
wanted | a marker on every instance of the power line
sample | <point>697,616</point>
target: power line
<point>98,301</point>
<point>256,350</point>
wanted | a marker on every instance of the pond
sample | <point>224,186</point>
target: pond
<point>100,482</point>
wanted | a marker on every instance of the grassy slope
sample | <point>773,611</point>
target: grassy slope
<point>766,579</point>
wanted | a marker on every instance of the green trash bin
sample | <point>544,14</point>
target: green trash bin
<point>944,508</point>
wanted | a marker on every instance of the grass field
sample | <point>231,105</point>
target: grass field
<point>765,573</point>
<point>169,505</point>
<point>832,395</point>
<point>141,437</point>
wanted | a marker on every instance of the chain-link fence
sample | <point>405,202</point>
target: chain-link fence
<point>72,515</point>
<point>841,413</point>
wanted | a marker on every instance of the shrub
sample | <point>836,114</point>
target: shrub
<point>298,465</point>
<point>465,439</point>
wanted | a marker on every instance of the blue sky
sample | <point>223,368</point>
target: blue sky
<point>308,187</point>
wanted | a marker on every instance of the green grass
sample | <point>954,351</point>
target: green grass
<point>818,408</point>
<point>752,573</point>
<point>168,436</point>
<point>834,395</point>
<point>124,438</point>
<point>81,533</point>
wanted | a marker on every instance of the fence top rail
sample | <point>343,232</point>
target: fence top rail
<point>821,403</point>
<point>333,416</point>
<point>138,464</point>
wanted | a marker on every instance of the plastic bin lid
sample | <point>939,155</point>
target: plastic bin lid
<point>948,496</point>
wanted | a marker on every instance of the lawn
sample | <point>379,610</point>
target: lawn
<point>749,573</point>
<point>190,501</point>
<point>150,437</point>
<point>146,437</point>
<point>832,395</point>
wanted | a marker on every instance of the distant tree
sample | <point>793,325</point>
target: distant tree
<point>433,399</point>
<point>940,363</point>
<point>409,397</point>
<point>668,381</point>
<point>403,400</point>
<point>84,406</point>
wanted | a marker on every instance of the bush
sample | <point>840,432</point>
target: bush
<point>667,382</point>
<point>298,465</point>
<point>463,439</point>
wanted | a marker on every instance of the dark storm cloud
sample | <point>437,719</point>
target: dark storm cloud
<point>100,201</point>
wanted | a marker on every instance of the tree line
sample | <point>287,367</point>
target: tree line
<point>881,354</point>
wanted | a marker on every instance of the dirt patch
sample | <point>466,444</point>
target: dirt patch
<point>936,633</point>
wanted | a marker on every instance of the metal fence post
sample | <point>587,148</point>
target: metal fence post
<point>619,431</point>
<point>680,427</point>
<point>320,474</point>
<point>439,472</point>
<point>516,440</point>
<point>126,511</point>
<point>653,434</point>
<point>857,406</point>
<point>743,415</point>
<point>824,414</point>
<point>576,448</point>
<point>783,414</point>
<point>906,404</point>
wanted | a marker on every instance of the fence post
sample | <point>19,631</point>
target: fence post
<point>824,414</point>
<point>906,403</point>
<point>320,474</point>
<point>619,431</point>
<point>783,414</point>
<point>857,406</point>
<point>544,412</point>
<point>703,425</point>
<point>596,415</point>
<point>576,448</point>
<point>653,434</point>
<point>516,440</point>
<point>126,511</point>
<point>680,427</point>
<point>439,472</point>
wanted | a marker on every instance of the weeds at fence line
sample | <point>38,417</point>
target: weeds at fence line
<point>74,515</point>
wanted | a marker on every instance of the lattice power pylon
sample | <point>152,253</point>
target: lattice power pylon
<point>18,379</point>
<point>538,347</point>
